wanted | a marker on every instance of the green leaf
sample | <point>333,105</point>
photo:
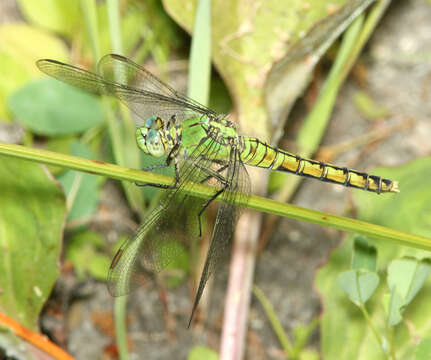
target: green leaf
<point>32,219</point>
<point>423,351</point>
<point>82,252</point>
<point>10,80</point>
<point>249,38</point>
<point>394,305</point>
<point>202,353</point>
<point>59,16</point>
<point>359,285</point>
<point>364,254</point>
<point>26,44</point>
<point>98,266</point>
<point>408,276</point>
<point>20,46</point>
<point>81,189</point>
<point>176,270</point>
<point>50,107</point>
<point>407,211</point>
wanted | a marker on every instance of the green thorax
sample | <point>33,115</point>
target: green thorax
<point>219,134</point>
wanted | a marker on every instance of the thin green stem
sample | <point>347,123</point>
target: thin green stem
<point>200,54</point>
<point>120,326</point>
<point>116,134</point>
<point>115,128</point>
<point>390,331</point>
<point>203,191</point>
<point>316,122</point>
<point>114,26</point>
<point>122,132</point>
<point>374,330</point>
<point>74,191</point>
<point>89,9</point>
<point>318,119</point>
<point>198,88</point>
<point>275,323</point>
<point>370,24</point>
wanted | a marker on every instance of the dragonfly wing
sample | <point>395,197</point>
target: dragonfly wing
<point>75,76</point>
<point>127,270</point>
<point>153,96</point>
<point>141,91</point>
<point>238,190</point>
<point>155,244</point>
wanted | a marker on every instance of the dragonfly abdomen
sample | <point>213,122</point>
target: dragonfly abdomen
<point>258,153</point>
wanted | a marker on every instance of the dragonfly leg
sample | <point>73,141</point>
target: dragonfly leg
<point>216,175</point>
<point>162,186</point>
<point>204,207</point>
<point>171,156</point>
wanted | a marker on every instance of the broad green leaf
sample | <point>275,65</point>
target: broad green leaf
<point>31,221</point>
<point>407,211</point>
<point>81,188</point>
<point>82,252</point>
<point>26,44</point>
<point>10,80</point>
<point>358,285</point>
<point>50,107</point>
<point>61,16</point>
<point>20,46</point>
<point>248,38</point>
<point>423,351</point>
<point>364,254</point>
<point>408,276</point>
<point>202,353</point>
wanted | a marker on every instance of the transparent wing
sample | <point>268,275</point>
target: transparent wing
<point>120,77</point>
<point>155,244</point>
<point>238,188</point>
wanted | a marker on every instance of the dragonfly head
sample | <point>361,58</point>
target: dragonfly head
<point>150,137</point>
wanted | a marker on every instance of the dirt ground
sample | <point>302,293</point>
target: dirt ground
<point>397,61</point>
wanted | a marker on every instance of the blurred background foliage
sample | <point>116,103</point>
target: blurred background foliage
<point>266,62</point>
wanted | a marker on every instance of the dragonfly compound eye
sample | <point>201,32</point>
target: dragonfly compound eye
<point>141,138</point>
<point>155,144</point>
<point>154,122</point>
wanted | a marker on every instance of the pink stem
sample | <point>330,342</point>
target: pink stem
<point>239,286</point>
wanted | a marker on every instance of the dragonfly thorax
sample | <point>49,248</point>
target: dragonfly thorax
<point>151,138</point>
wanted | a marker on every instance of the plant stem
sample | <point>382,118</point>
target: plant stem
<point>275,323</point>
<point>120,326</point>
<point>114,26</point>
<point>203,191</point>
<point>374,331</point>
<point>89,9</point>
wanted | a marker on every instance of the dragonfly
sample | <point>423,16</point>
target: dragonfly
<point>203,147</point>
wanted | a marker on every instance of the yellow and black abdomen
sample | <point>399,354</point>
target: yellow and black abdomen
<point>257,153</point>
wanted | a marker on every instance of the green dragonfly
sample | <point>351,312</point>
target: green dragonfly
<point>202,147</point>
